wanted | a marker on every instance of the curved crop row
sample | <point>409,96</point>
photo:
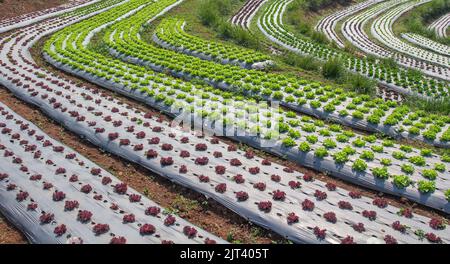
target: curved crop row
<point>292,92</point>
<point>61,194</point>
<point>427,43</point>
<point>330,236</point>
<point>34,17</point>
<point>53,11</point>
<point>246,13</point>
<point>300,95</point>
<point>328,24</point>
<point>88,100</point>
<point>172,32</point>
<point>298,140</point>
<point>441,25</point>
<point>398,79</point>
<point>391,122</point>
<point>381,29</point>
<point>353,30</point>
<point>269,194</point>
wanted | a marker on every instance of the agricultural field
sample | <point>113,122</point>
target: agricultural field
<point>225,122</point>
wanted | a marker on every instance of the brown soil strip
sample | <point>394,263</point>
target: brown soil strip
<point>9,234</point>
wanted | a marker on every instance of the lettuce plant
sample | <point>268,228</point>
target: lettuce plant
<point>426,186</point>
<point>402,181</point>
<point>292,218</point>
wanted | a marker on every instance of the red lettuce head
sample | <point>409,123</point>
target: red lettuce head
<point>46,218</point>
<point>265,206</point>
<point>121,188</point>
<point>307,205</point>
<point>320,195</point>
<point>348,240</point>
<point>189,231</point>
<point>345,205</point>
<point>260,186</point>
<point>279,195</point>
<point>320,233</point>
<point>221,187</point>
<point>292,218</point>
<point>129,218</point>
<point>331,186</point>
<point>359,227</point>
<point>330,217</point>
<point>380,202</point>
<point>371,215</point>
<point>153,210</point>
<point>295,184</point>
<point>239,179</point>
<point>241,196</point>
<point>84,216</point>
<point>170,220</point>
<point>118,240</point>
<point>100,229</point>
<point>71,205</point>
<point>388,239</point>
<point>60,230</point>
<point>147,229</point>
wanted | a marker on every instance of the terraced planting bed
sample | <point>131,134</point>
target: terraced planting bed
<point>67,199</point>
<point>173,35</point>
<point>380,17</point>
<point>327,24</point>
<point>440,25</point>
<point>426,43</point>
<point>221,90</point>
<point>353,30</point>
<point>37,16</point>
<point>298,94</point>
<point>400,80</point>
<point>382,30</point>
<point>245,15</point>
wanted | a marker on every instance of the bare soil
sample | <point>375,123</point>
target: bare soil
<point>9,234</point>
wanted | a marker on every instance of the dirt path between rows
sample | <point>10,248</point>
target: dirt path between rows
<point>9,234</point>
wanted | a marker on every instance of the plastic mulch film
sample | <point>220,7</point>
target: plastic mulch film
<point>40,16</point>
<point>306,109</point>
<point>54,195</point>
<point>271,195</point>
<point>345,172</point>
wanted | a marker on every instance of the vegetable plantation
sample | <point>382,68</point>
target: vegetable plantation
<point>235,124</point>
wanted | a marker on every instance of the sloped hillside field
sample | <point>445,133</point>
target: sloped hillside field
<point>225,121</point>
